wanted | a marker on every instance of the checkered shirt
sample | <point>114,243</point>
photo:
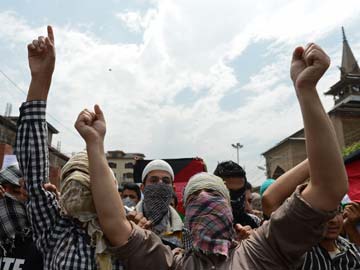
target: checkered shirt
<point>61,240</point>
<point>13,221</point>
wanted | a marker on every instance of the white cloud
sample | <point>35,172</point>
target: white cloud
<point>186,45</point>
<point>135,21</point>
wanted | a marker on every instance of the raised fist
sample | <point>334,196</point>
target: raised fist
<point>91,125</point>
<point>307,66</point>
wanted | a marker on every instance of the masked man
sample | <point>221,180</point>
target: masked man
<point>17,249</point>
<point>279,243</point>
<point>158,178</point>
<point>67,232</point>
<point>235,180</point>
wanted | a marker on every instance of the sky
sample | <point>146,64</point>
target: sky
<point>179,78</point>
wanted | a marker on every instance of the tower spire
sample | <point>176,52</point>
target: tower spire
<point>349,64</point>
<point>343,32</point>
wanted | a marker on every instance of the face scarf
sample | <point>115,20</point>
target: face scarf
<point>157,199</point>
<point>129,202</point>
<point>208,219</point>
<point>237,198</point>
<point>13,221</point>
<point>76,201</point>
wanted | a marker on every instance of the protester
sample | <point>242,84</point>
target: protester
<point>67,233</point>
<point>333,251</point>
<point>130,194</point>
<point>158,178</point>
<point>256,205</point>
<point>234,177</point>
<point>278,244</point>
<point>17,249</point>
<point>248,204</point>
<point>352,222</point>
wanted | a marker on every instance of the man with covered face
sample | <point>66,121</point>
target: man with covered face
<point>235,180</point>
<point>67,231</point>
<point>279,243</point>
<point>157,186</point>
<point>17,249</point>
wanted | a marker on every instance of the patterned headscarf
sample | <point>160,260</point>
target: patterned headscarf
<point>11,175</point>
<point>157,198</point>
<point>76,201</point>
<point>208,218</point>
<point>205,181</point>
<point>13,221</point>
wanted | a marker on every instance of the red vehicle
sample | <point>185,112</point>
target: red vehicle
<point>183,169</point>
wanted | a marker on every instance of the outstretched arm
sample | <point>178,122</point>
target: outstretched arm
<point>283,187</point>
<point>31,144</point>
<point>108,204</point>
<point>328,180</point>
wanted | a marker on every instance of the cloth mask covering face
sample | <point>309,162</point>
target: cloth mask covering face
<point>157,198</point>
<point>76,201</point>
<point>238,208</point>
<point>208,219</point>
<point>128,202</point>
<point>14,222</point>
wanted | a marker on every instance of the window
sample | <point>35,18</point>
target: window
<point>112,165</point>
<point>129,165</point>
<point>128,175</point>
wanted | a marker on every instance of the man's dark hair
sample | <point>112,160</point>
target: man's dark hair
<point>134,187</point>
<point>174,196</point>
<point>248,186</point>
<point>229,169</point>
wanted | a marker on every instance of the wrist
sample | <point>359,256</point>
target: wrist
<point>95,146</point>
<point>39,88</point>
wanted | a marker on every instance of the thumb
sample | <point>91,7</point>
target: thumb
<point>99,113</point>
<point>297,54</point>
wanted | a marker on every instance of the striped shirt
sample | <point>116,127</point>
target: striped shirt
<point>319,258</point>
<point>61,240</point>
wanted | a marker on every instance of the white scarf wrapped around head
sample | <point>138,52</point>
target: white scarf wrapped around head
<point>205,181</point>
<point>76,201</point>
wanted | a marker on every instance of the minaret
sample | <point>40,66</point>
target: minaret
<point>349,64</point>
<point>348,88</point>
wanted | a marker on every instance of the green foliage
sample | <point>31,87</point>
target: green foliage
<point>350,149</point>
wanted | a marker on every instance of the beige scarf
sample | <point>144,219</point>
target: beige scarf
<point>76,201</point>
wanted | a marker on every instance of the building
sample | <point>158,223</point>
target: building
<point>122,164</point>
<point>7,142</point>
<point>345,116</point>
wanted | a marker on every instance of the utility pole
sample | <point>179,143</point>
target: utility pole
<point>237,146</point>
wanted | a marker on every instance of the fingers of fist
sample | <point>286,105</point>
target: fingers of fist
<point>314,54</point>
<point>42,44</point>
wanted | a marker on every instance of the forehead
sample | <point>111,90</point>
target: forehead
<point>234,182</point>
<point>159,173</point>
<point>129,191</point>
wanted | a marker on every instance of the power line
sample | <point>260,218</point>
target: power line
<point>22,91</point>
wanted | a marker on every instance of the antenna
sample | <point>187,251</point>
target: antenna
<point>8,109</point>
<point>58,147</point>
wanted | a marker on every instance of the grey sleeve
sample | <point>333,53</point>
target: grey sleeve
<point>144,250</point>
<point>291,231</point>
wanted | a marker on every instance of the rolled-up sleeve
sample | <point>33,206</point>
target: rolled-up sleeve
<point>144,250</point>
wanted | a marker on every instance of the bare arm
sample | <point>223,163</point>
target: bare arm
<point>328,180</point>
<point>284,186</point>
<point>108,204</point>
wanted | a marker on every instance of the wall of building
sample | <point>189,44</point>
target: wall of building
<point>120,169</point>
<point>351,126</point>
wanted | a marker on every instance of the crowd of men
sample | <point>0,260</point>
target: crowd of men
<point>297,221</point>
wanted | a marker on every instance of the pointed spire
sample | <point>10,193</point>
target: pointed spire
<point>348,63</point>
<point>343,32</point>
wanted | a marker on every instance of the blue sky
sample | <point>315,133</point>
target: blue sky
<point>188,78</point>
